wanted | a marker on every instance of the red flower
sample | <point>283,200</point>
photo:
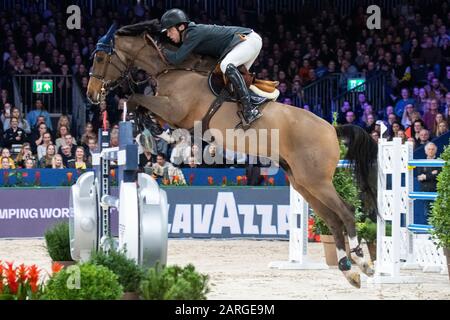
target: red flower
<point>271,181</point>
<point>224,181</point>
<point>69,176</point>
<point>175,179</point>
<point>33,276</point>
<point>210,180</point>
<point>11,278</point>
<point>24,174</point>
<point>22,273</point>
<point>191,179</point>
<point>112,173</point>
<point>239,180</point>
<point>37,178</point>
<point>56,267</point>
<point>286,179</point>
<point>244,180</point>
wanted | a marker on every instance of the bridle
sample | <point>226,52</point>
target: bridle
<point>125,69</point>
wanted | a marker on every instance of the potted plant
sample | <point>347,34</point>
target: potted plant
<point>440,214</point>
<point>367,230</point>
<point>128,272</point>
<point>85,281</point>
<point>174,283</point>
<point>19,282</point>
<point>57,240</point>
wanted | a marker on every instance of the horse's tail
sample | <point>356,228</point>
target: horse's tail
<point>362,154</point>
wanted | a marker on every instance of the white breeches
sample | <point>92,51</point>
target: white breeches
<point>244,53</point>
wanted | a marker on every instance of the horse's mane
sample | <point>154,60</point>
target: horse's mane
<point>152,27</point>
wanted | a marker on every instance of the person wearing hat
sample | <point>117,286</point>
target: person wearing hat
<point>232,46</point>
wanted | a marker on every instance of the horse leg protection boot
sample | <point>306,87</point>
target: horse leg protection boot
<point>250,112</point>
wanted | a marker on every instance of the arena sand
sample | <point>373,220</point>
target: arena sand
<point>238,269</point>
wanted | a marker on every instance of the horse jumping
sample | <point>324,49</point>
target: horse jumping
<point>308,148</point>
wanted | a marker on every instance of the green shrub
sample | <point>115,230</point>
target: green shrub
<point>440,214</point>
<point>174,283</point>
<point>128,272</point>
<point>57,240</point>
<point>367,230</point>
<point>95,283</point>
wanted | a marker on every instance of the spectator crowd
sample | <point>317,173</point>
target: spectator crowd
<point>412,49</point>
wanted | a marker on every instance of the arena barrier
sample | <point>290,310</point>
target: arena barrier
<point>409,246</point>
<point>142,206</point>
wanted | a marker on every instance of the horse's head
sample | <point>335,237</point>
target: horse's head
<point>108,68</point>
<point>117,53</point>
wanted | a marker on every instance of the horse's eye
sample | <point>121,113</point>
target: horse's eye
<point>99,59</point>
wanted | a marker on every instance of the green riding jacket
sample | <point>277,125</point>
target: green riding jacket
<point>204,39</point>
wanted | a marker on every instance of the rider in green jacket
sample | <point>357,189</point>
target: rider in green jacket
<point>233,46</point>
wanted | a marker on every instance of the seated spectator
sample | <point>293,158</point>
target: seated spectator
<point>29,164</point>
<point>47,160</point>
<point>146,160</point>
<point>14,135</point>
<point>417,126</point>
<point>166,170</point>
<point>343,111</point>
<point>350,118</point>
<point>67,155</point>
<point>441,128</point>
<point>23,124</point>
<point>5,163</point>
<point>6,154</point>
<point>424,137</point>
<point>304,71</point>
<point>407,115</point>
<point>5,115</point>
<point>42,148</point>
<point>429,118</point>
<point>57,162</point>
<point>39,111</point>
<point>402,102</point>
<point>446,81</point>
<point>191,163</point>
<point>213,157</point>
<point>196,153</point>
<point>68,141</point>
<point>37,136</point>
<point>427,176</point>
<point>79,162</point>
<point>88,133</point>
<point>91,148</point>
<point>24,154</point>
<point>181,152</point>
<point>431,56</point>
<point>401,134</point>
<point>369,125</point>
<point>63,121</point>
<point>393,130</point>
<point>375,136</point>
<point>60,140</point>
<point>436,89</point>
<point>391,119</point>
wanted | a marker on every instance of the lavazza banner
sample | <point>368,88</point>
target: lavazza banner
<point>194,212</point>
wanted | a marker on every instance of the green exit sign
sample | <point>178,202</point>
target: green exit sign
<point>353,83</point>
<point>42,86</point>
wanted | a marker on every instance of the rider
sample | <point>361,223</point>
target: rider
<point>234,46</point>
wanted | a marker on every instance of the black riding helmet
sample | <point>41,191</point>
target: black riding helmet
<point>172,18</point>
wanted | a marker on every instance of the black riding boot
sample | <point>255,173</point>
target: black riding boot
<point>250,112</point>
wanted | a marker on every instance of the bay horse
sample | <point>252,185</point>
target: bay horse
<point>308,149</point>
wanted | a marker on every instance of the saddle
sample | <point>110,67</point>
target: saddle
<point>260,90</point>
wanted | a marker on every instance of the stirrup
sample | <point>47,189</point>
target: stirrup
<point>246,121</point>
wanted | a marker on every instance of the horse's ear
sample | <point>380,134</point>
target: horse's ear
<point>112,30</point>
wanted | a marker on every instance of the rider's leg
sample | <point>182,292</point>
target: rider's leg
<point>244,53</point>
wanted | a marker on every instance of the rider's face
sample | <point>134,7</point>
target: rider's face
<point>174,34</point>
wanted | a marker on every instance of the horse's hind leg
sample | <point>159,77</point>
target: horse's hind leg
<point>327,194</point>
<point>336,227</point>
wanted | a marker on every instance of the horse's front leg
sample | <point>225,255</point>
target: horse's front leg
<point>159,105</point>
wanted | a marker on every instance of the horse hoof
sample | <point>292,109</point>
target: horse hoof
<point>353,278</point>
<point>368,269</point>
